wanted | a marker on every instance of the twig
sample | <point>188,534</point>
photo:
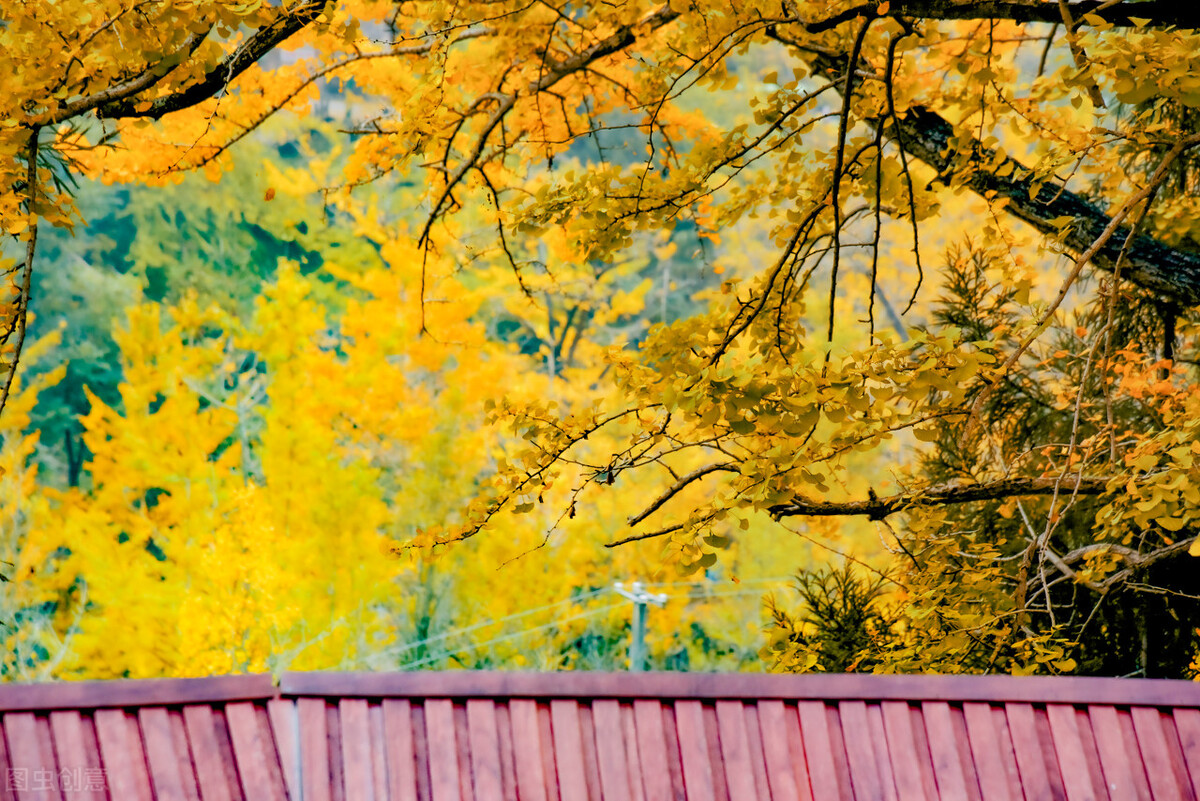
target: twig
<point>877,508</point>
<point>22,301</point>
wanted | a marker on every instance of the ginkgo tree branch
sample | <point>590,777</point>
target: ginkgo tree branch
<point>316,75</point>
<point>261,42</point>
<point>645,535</point>
<point>1133,560</point>
<point>962,161</point>
<point>1145,196</point>
<point>955,492</point>
<point>1148,13</point>
<point>1149,263</point>
<point>123,91</point>
<point>18,313</point>
<point>674,489</point>
<point>615,42</point>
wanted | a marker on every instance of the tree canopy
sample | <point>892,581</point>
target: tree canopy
<point>958,239</point>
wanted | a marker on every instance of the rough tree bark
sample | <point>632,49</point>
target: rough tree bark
<point>924,134</point>
<point>1152,13</point>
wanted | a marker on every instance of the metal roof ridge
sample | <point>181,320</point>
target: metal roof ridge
<point>108,693</point>
<point>830,687</point>
<point>97,694</point>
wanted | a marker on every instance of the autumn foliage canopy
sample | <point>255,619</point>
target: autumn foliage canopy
<point>899,294</point>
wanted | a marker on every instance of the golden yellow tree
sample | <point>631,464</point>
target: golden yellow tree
<point>1053,130</point>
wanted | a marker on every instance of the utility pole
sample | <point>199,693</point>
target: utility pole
<point>637,645</point>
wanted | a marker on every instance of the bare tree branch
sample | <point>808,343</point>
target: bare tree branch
<point>1149,263</point>
<point>1153,13</point>
<point>1133,559</point>
<point>1171,272</point>
<point>16,324</point>
<point>877,508</point>
<point>670,492</point>
<point>263,41</point>
<point>122,91</point>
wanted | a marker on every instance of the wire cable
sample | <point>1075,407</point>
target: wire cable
<point>772,580</point>
<point>406,647</point>
<point>515,635</point>
<point>476,626</point>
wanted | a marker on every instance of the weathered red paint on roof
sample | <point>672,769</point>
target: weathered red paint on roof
<point>602,737</point>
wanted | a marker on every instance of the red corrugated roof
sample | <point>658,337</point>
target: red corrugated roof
<point>602,737</point>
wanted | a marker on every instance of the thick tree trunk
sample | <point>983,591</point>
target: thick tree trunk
<point>1149,13</point>
<point>924,134</point>
<point>955,492</point>
<point>1168,271</point>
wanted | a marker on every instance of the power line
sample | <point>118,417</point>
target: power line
<point>723,593</point>
<point>772,580</point>
<point>475,627</point>
<point>515,635</point>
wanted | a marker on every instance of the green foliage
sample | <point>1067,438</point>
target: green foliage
<point>1030,584</point>
<point>1059,395</point>
<point>845,623</point>
<point>212,243</point>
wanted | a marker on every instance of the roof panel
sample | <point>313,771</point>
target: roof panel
<point>629,742</point>
<point>758,763</point>
<point>1068,747</point>
<point>443,750</point>
<point>314,749</point>
<point>32,755</point>
<point>77,751</point>
<point>527,750</point>
<point>164,763</point>
<point>508,776</point>
<point>777,762</point>
<point>739,761</point>
<point>207,758</point>
<point>356,750</point>
<point>484,737</point>
<point>400,751</point>
<point>1164,781</point>
<point>1187,724</point>
<point>651,745</point>
<point>986,752</point>
<point>860,755</point>
<point>693,751</point>
<point>902,751</point>
<point>589,737</point>
<point>285,728</point>
<point>611,761</point>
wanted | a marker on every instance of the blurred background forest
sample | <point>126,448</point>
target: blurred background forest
<point>285,364</point>
<point>231,410</point>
